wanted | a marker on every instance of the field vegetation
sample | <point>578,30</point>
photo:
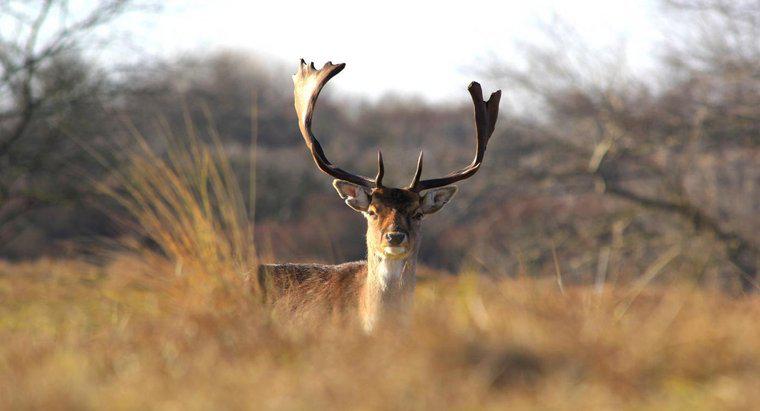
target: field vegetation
<point>130,335</point>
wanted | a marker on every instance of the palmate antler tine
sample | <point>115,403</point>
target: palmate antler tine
<point>486,113</point>
<point>308,82</point>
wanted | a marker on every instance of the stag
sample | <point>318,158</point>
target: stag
<point>382,285</point>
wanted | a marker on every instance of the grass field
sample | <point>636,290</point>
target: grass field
<point>129,335</point>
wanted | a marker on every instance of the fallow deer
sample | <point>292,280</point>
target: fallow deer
<point>384,283</point>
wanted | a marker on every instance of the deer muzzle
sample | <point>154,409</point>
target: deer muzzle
<point>395,243</point>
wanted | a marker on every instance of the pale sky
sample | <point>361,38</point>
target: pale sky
<point>427,48</point>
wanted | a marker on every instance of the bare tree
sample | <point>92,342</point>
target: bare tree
<point>44,83</point>
<point>647,143</point>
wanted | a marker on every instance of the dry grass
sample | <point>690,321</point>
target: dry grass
<point>188,202</point>
<point>81,336</point>
<point>180,329</point>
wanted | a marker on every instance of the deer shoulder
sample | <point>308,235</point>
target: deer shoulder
<point>315,280</point>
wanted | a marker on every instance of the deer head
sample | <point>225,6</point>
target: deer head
<point>393,215</point>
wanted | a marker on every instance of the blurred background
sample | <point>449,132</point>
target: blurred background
<point>629,134</point>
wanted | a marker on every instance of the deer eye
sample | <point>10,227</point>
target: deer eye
<point>371,213</point>
<point>417,215</point>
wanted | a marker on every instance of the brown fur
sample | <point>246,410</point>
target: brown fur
<point>394,210</point>
<point>375,288</point>
<point>336,285</point>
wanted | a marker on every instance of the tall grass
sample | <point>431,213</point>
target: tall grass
<point>77,336</point>
<point>188,202</point>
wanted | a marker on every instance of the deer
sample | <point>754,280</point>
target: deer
<point>382,286</point>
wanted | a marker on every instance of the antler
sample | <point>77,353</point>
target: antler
<point>308,82</point>
<point>486,113</point>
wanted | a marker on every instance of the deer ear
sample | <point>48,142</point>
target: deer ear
<point>355,196</point>
<point>435,199</point>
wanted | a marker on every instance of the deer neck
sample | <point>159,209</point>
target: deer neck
<point>388,288</point>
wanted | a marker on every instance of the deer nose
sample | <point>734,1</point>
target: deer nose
<point>395,238</point>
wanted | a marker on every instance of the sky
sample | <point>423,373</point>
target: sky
<point>428,48</point>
